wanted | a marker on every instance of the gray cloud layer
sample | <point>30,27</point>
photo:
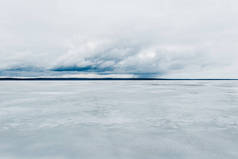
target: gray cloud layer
<point>165,38</point>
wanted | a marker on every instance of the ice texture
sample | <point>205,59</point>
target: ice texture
<point>119,119</point>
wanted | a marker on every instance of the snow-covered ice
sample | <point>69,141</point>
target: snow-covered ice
<point>119,119</point>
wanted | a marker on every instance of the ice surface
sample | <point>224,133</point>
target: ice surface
<point>119,120</point>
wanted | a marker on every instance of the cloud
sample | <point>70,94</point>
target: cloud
<point>140,38</point>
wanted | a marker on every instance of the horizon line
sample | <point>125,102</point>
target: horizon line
<point>98,79</point>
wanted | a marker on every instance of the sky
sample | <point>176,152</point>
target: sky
<point>123,38</point>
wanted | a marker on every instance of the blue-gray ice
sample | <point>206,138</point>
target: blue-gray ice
<point>119,120</point>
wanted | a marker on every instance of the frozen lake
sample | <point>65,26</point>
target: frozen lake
<point>119,119</point>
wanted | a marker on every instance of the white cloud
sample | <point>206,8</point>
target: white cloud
<point>165,38</point>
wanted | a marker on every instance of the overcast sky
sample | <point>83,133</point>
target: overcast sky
<point>152,38</point>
